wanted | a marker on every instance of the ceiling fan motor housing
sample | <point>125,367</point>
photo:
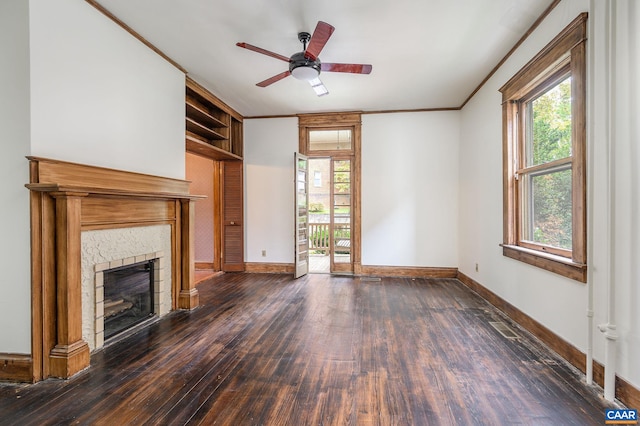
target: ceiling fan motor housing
<point>303,68</point>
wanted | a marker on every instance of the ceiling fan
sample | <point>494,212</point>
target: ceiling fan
<point>306,65</point>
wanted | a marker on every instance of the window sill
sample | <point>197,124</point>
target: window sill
<point>550,262</point>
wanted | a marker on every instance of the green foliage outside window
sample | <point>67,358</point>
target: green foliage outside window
<point>551,190</point>
<point>316,207</point>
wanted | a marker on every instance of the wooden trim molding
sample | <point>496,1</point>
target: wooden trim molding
<point>625,392</point>
<point>134,33</point>
<point>379,271</point>
<point>563,56</point>
<point>408,271</point>
<point>515,47</point>
<point>340,120</point>
<point>104,180</point>
<point>205,93</point>
<point>269,268</point>
<point>557,264</point>
<point>67,198</point>
<point>16,367</point>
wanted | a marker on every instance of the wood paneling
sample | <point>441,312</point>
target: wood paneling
<point>99,211</point>
<point>67,198</point>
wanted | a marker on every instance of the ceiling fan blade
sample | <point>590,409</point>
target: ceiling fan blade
<point>319,38</point>
<point>273,79</point>
<point>263,51</point>
<point>318,87</point>
<point>352,68</point>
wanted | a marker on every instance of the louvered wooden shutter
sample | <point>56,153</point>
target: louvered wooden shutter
<point>232,217</point>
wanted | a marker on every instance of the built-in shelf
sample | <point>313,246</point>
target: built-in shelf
<point>205,149</point>
<point>200,115</point>
<point>205,132</point>
<point>213,129</point>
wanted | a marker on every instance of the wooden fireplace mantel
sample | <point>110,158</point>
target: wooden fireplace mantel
<point>68,198</point>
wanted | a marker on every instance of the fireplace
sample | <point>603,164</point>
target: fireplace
<point>86,220</point>
<point>124,257</point>
<point>128,297</point>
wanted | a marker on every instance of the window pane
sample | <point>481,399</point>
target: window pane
<point>549,125</point>
<point>546,208</point>
<point>329,140</point>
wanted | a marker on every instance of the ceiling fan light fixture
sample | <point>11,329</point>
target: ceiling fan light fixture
<point>318,87</point>
<point>305,73</point>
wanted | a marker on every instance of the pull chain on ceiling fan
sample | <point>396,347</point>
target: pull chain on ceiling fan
<point>306,65</point>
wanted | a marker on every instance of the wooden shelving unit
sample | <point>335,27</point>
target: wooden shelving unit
<point>213,129</point>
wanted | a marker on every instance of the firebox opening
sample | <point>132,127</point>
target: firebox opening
<point>128,297</point>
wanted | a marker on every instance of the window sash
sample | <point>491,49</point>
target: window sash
<point>527,217</point>
<point>527,168</point>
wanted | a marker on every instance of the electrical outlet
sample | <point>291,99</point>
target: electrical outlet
<point>476,266</point>
<point>264,254</point>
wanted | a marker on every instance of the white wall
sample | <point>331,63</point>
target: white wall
<point>559,303</point>
<point>15,291</point>
<point>410,189</point>
<point>99,96</point>
<point>269,145</point>
<point>74,87</point>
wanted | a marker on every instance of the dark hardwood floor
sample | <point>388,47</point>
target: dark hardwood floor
<point>321,350</point>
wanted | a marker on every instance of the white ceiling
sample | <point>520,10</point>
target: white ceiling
<point>425,53</point>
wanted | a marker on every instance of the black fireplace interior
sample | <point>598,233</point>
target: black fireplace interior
<point>128,297</point>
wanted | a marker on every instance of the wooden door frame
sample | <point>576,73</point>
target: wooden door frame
<point>353,121</point>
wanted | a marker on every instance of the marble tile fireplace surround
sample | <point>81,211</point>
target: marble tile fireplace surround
<point>86,219</point>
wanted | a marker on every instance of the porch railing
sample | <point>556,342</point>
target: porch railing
<point>319,238</point>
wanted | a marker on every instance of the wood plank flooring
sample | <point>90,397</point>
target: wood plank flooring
<point>269,350</point>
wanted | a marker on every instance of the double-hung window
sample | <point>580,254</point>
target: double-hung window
<point>544,144</point>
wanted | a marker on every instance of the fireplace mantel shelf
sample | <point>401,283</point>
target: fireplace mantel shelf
<point>54,187</point>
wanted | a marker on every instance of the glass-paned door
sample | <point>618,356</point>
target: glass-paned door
<point>341,211</point>
<point>301,215</point>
